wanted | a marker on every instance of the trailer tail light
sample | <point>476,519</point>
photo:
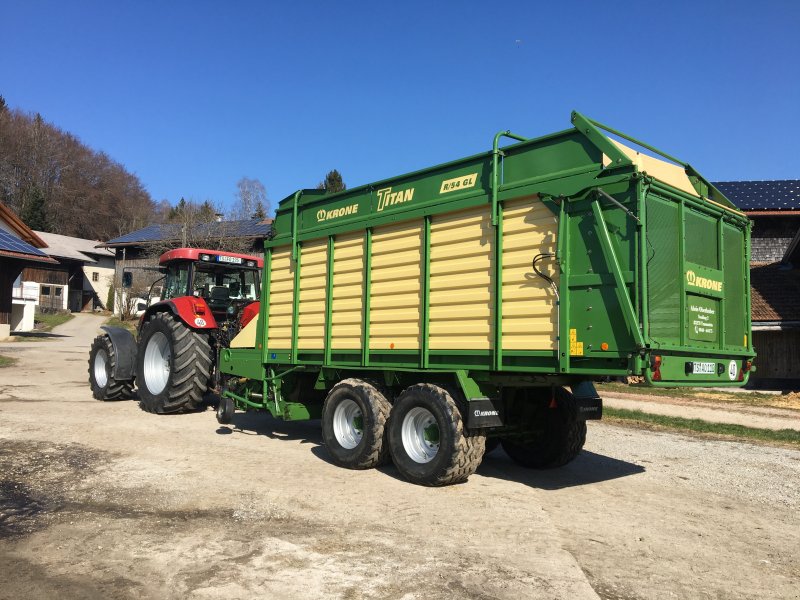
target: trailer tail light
<point>657,367</point>
<point>199,308</point>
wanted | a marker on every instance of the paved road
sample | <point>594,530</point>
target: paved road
<point>102,500</point>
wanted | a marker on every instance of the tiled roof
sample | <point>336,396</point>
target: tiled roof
<point>64,246</point>
<point>775,293</point>
<point>777,195</point>
<point>252,228</point>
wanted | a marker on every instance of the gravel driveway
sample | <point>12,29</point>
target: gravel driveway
<point>102,500</point>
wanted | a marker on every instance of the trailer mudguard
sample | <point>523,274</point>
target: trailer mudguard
<point>125,349</point>
<point>587,401</point>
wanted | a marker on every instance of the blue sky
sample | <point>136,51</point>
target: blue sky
<point>191,96</point>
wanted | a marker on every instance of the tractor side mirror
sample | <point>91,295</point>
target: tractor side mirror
<point>127,279</point>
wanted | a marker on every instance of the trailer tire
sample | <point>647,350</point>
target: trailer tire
<point>173,365</point>
<point>429,442</point>
<point>557,443</point>
<point>354,418</point>
<point>102,364</point>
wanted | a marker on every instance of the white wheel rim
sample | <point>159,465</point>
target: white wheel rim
<point>348,425</point>
<point>100,373</point>
<point>157,357</point>
<point>420,434</point>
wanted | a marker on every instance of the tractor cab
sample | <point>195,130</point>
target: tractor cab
<point>225,280</point>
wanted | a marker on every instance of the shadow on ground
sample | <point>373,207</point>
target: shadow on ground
<point>36,335</point>
<point>587,468</point>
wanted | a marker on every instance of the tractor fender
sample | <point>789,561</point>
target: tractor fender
<point>192,310</point>
<point>125,349</point>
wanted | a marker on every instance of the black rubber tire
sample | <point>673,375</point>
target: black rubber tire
<point>553,443</point>
<point>372,449</point>
<point>190,365</point>
<point>460,450</point>
<point>492,443</point>
<point>113,389</point>
<point>225,410</point>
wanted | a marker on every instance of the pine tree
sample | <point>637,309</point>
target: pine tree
<point>333,183</point>
<point>34,213</point>
<point>259,212</point>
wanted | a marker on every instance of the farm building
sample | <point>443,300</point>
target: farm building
<point>774,208</point>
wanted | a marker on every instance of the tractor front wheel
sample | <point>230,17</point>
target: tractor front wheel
<point>173,365</point>
<point>102,365</point>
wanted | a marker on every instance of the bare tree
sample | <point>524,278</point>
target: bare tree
<point>251,200</point>
<point>55,181</point>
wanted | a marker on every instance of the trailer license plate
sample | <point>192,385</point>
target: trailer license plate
<point>704,368</point>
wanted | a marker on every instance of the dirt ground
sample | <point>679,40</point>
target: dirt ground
<point>102,500</point>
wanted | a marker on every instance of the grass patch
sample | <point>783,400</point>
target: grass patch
<point>117,322</point>
<point>46,321</point>
<point>739,432</point>
<point>790,401</point>
<point>7,361</point>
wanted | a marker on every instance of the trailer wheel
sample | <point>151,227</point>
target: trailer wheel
<point>354,422</point>
<point>225,410</point>
<point>555,441</point>
<point>429,443</point>
<point>173,365</point>
<point>102,363</point>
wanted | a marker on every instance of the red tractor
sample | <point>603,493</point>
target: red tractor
<point>208,296</point>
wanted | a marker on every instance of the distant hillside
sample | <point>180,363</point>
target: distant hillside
<point>59,185</point>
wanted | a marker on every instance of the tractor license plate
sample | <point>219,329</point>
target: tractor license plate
<point>234,260</point>
<point>704,368</point>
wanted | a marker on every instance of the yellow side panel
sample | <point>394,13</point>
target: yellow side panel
<point>396,287</point>
<point>281,297</point>
<point>347,308</point>
<point>246,338</point>
<point>461,270</point>
<point>529,304</point>
<point>313,287</point>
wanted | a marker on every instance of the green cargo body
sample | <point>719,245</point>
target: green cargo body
<point>494,280</point>
<point>433,270</point>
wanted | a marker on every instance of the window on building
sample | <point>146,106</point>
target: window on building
<point>95,276</point>
<point>58,291</point>
<point>45,290</point>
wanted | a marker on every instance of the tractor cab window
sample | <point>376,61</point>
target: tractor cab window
<point>219,285</point>
<point>177,280</point>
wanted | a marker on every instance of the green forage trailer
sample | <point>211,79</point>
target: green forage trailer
<point>424,316</point>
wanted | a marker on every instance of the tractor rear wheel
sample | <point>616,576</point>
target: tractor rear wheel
<point>556,439</point>
<point>102,364</point>
<point>173,365</point>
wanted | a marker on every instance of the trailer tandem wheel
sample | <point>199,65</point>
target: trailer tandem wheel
<point>102,364</point>
<point>557,439</point>
<point>429,443</point>
<point>354,420</point>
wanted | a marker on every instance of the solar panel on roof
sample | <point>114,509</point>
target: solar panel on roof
<point>155,233</point>
<point>779,194</point>
<point>11,243</point>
